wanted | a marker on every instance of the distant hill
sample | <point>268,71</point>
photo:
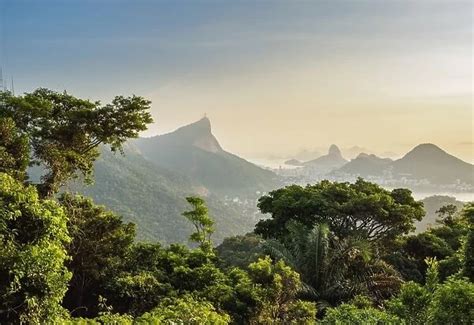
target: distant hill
<point>427,161</point>
<point>193,151</point>
<point>325,164</point>
<point>431,205</point>
<point>294,162</point>
<point>366,165</point>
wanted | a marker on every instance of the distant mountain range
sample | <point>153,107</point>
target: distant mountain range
<point>365,165</point>
<point>148,184</point>
<point>426,162</point>
<point>323,164</point>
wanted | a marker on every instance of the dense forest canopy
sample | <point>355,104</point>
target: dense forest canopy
<point>330,253</point>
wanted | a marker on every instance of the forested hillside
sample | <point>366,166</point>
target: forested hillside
<point>152,197</point>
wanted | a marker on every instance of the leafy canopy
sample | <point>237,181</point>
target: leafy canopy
<point>360,209</point>
<point>64,131</point>
<point>100,242</point>
<point>33,234</point>
<point>14,150</point>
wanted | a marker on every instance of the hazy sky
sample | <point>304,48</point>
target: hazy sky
<point>273,76</point>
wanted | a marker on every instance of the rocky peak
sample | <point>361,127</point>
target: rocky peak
<point>334,151</point>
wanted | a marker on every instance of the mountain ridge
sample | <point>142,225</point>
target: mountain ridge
<point>194,151</point>
<point>424,162</point>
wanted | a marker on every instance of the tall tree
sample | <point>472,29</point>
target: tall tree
<point>360,209</point>
<point>333,269</point>
<point>468,260</point>
<point>64,131</point>
<point>100,242</point>
<point>203,224</point>
<point>33,234</point>
<point>14,150</point>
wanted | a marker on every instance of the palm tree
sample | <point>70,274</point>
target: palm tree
<point>333,269</point>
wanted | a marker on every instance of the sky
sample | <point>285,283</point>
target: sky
<point>274,77</point>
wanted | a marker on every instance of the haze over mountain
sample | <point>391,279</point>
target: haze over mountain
<point>192,150</point>
<point>367,165</point>
<point>428,161</point>
<point>327,163</point>
<point>153,198</point>
<point>148,185</point>
<point>433,204</point>
<point>425,162</point>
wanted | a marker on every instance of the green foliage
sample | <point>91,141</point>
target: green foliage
<point>411,304</point>
<point>64,131</point>
<point>128,183</point>
<point>446,213</point>
<point>453,303</point>
<point>331,268</point>
<point>360,209</point>
<point>426,245</point>
<point>14,150</point>
<point>432,205</point>
<point>450,302</point>
<point>347,314</point>
<point>444,242</point>
<point>468,261</point>
<point>100,242</point>
<point>201,221</point>
<point>107,318</point>
<point>33,278</point>
<point>142,282</point>
<point>278,303</point>
<point>240,251</point>
<point>184,310</point>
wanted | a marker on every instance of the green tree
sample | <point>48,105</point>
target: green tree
<point>64,131</point>
<point>447,213</point>
<point>468,260</point>
<point>33,234</point>
<point>201,221</point>
<point>360,209</point>
<point>444,242</point>
<point>333,269</point>
<point>184,310</point>
<point>347,314</point>
<point>240,251</point>
<point>411,304</point>
<point>452,303</point>
<point>100,242</point>
<point>14,150</point>
<point>280,286</point>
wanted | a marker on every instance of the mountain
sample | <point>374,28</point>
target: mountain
<point>193,151</point>
<point>149,183</point>
<point>431,205</point>
<point>294,162</point>
<point>428,161</point>
<point>366,165</point>
<point>327,163</point>
<point>425,165</point>
<point>153,198</point>
<point>355,151</point>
